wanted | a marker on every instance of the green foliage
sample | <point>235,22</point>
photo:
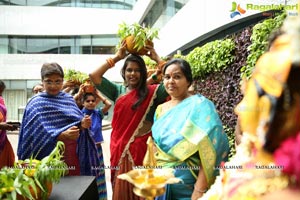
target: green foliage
<point>212,57</point>
<point>221,85</point>
<point>76,76</point>
<point>179,56</point>
<point>141,34</point>
<point>31,173</point>
<point>151,64</point>
<point>231,138</point>
<point>260,40</point>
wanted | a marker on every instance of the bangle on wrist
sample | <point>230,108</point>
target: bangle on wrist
<point>200,190</point>
<point>110,62</point>
<point>154,77</point>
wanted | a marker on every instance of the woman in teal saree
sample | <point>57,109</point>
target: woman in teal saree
<point>188,135</point>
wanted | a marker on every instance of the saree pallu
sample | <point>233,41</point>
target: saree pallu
<point>45,117</point>
<point>186,135</point>
<point>126,145</point>
<point>101,179</point>
<point>95,132</point>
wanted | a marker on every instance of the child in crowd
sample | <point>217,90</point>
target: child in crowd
<point>89,103</point>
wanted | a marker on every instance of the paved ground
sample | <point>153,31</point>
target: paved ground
<point>13,138</point>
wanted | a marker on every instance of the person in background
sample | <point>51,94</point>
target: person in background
<point>51,116</point>
<point>269,115</point>
<point>89,102</point>
<point>196,143</point>
<point>37,88</point>
<point>7,156</point>
<point>135,103</point>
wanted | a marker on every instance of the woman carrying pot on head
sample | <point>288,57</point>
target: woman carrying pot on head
<point>135,103</point>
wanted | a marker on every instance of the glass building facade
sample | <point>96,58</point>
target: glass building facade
<point>121,4</point>
<point>158,15</point>
<point>89,44</point>
<point>31,45</point>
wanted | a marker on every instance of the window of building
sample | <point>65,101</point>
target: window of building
<point>108,4</point>
<point>162,11</point>
<point>89,44</point>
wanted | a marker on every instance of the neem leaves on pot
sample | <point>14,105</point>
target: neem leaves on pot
<point>137,37</point>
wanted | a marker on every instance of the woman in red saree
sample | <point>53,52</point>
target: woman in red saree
<point>135,103</point>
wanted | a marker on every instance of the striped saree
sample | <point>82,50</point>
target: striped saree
<point>45,117</point>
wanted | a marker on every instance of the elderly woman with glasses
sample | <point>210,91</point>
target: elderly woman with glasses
<point>53,115</point>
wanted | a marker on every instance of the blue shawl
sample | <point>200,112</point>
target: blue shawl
<point>45,117</point>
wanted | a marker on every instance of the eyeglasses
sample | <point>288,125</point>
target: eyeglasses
<point>92,101</point>
<point>48,82</point>
<point>129,70</point>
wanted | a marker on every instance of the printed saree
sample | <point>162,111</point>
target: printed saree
<point>128,146</point>
<point>125,125</point>
<point>96,134</point>
<point>186,135</point>
<point>45,117</point>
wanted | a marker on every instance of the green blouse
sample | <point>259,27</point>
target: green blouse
<point>113,90</point>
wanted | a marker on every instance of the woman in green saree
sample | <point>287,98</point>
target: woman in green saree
<point>188,135</point>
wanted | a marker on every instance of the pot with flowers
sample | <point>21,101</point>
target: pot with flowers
<point>137,37</point>
<point>32,179</point>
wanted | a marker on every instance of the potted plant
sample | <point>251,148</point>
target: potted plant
<point>88,86</point>
<point>137,37</point>
<point>31,178</point>
<point>74,78</point>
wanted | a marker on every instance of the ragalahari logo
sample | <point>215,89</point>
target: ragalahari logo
<point>236,10</point>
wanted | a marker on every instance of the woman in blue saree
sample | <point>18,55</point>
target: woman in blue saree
<point>188,135</point>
